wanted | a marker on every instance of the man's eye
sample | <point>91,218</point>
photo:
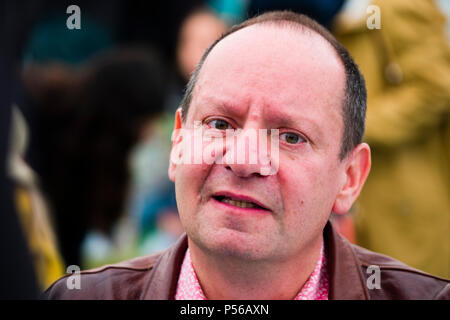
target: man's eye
<point>219,124</point>
<point>291,138</point>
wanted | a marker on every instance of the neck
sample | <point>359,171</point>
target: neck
<point>225,278</point>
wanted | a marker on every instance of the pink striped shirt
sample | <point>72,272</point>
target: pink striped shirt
<point>315,288</point>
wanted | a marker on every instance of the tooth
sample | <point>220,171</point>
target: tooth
<point>240,204</point>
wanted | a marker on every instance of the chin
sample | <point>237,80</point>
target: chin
<point>236,244</point>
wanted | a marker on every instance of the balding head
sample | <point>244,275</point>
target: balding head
<point>353,108</point>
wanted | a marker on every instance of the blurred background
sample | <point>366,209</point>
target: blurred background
<point>87,115</point>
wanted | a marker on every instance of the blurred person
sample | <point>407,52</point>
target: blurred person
<point>14,250</point>
<point>265,234</point>
<point>112,105</point>
<point>151,191</point>
<point>31,207</point>
<point>155,23</point>
<point>404,209</point>
<point>158,24</point>
<point>16,19</point>
<point>198,31</point>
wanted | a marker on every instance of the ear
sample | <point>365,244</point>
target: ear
<point>175,153</point>
<point>357,169</point>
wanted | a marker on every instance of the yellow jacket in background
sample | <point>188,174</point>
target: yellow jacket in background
<point>404,208</point>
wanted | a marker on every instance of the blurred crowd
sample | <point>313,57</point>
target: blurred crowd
<point>88,116</point>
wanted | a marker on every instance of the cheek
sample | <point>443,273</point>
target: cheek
<point>307,190</point>
<point>185,196</point>
<point>189,180</point>
<point>297,179</point>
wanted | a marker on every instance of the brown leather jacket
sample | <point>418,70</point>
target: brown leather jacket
<point>155,276</point>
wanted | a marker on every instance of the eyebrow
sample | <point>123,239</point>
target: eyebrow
<point>275,117</point>
<point>300,122</point>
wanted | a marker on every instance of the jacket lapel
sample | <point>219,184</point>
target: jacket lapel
<point>163,278</point>
<point>346,279</point>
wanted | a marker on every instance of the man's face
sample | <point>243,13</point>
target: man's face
<point>266,77</point>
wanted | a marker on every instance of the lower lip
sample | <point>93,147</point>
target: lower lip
<point>235,209</point>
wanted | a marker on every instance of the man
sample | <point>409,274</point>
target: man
<point>259,230</point>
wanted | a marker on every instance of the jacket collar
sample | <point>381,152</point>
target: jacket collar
<point>163,278</point>
<point>346,278</point>
<point>344,268</point>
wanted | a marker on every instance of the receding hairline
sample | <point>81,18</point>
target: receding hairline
<point>280,23</point>
<point>354,106</point>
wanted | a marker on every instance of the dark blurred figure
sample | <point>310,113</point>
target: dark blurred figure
<point>158,24</point>
<point>198,31</point>
<point>15,256</point>
<point>54,58</point>
<point>31,206</point>
<point>111,105</point>
<point>105,24</point>
<point>155,23</point>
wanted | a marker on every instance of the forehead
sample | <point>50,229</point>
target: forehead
<point>276,67</point>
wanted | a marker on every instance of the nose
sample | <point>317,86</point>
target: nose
<point>250,152</point>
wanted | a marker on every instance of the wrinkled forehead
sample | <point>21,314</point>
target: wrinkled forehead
<point>284,63</point>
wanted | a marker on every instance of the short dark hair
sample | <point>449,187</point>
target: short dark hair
<point>354,104</point>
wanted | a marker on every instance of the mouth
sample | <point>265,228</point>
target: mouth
<point>243,202</point>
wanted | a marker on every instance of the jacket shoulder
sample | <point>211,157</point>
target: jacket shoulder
<point>124,280</point>
<point>398,280</point>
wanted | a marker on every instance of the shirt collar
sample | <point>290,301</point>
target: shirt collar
<point>315,288</point>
